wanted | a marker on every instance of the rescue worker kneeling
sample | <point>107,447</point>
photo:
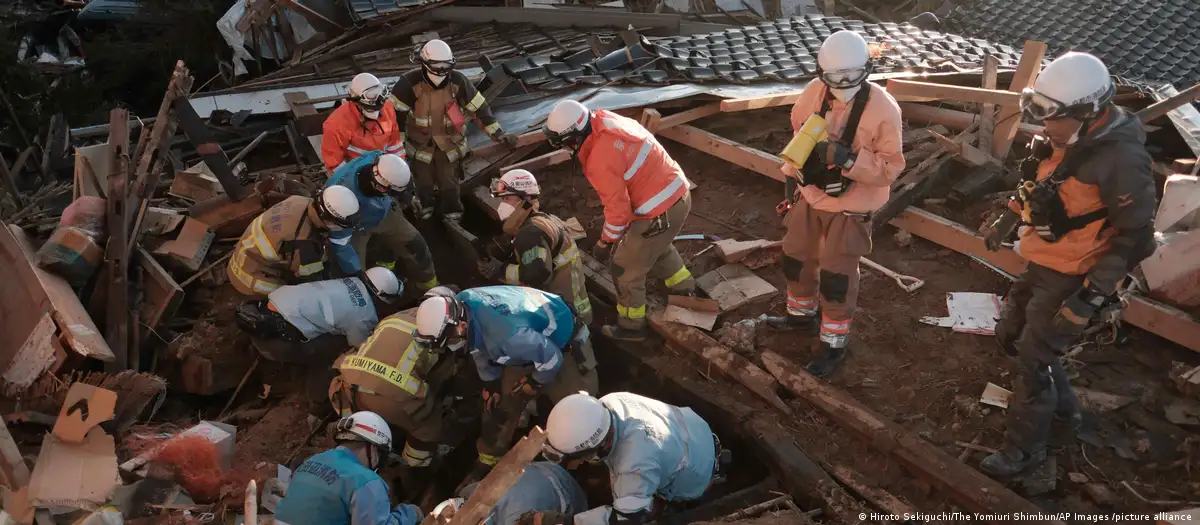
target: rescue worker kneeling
<point>543,487</point>
<point>313,322</point>
<point>341,486</point>
<point>286,244</point>
<point>829,196</point>
<point>383,184</point>
<point>1088,204</point>
<point>652,449</point>
<point>365,123</point>
<point>405,383</point>
<point>521,340</point>
<point>646,200</point>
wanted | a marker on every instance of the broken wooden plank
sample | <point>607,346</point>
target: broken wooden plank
<point>1009,118</point>
<point>209,149</point>
<point>196,184</point>
<point>650,119</point>
<point>733,250</point>
<point>953,119</point>
<point>987,113</point>
<point>33,358</point>
<point>117,265</point>
<point>500,479</point>
<point>966,486</point>
<point>970,155</point>
<point>162,294</point>
<point>912,91</point>
<point>878,497</point>
<point>1162,107</point>
<point>733,286</point>
<point>12,464</point>
<point>539,162</point>
<point>683,117</point>
<point>720,147</point>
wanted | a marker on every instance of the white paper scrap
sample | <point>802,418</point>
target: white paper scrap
<point>970,312</point>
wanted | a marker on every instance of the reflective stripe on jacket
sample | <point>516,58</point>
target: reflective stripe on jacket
<point>630,170</point>
<point>425,114</point>
<point>390,365</point>
<point>337,306</point>
<point>548,259</point>
<point>260,264</point>
<point>349,135</point>
<point>517,326</point>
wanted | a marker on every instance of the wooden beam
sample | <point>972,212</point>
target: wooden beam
<point>650,119</point>
<point>12,464</point>
<point>209,149</point>
<point>557,156</point>
<point>683,117</point>
<point>1010,116</point>
<point>987,113</point>
<point>723,148</point>
<point>912,91</point>
<point>117,265</point>
<point>500,479</point>
<point>966,486</point>
<point>1167,105</point>
<point>969,154</point>
<point>952,119</point>
<point>766,101</point>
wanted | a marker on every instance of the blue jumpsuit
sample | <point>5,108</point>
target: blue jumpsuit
<point>543,487</point>
<point>337,306</point>
<point>517,326</point>
<point>371,211</point>
<point>334,488</point>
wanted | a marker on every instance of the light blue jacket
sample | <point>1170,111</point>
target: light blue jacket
<point>334,488</point>
<point>659,449</point>
<point>543,487</point>
<point>517,326</point>
<point>337,306</point>
<point>371,211</point>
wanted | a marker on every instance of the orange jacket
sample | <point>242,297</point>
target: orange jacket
<point>633,174</point>
<point>348,135</point>
<point>877,145</point>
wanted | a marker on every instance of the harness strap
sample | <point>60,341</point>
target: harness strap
<point>856,111</point>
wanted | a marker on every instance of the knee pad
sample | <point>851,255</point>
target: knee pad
<point>792,268</point>
<point>834,286</point>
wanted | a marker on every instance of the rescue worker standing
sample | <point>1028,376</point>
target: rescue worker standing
<point>652,449</point>
<point>366,123</point>
<point>301,322</point>
<point>435,102</point>
<point>286,244</point>
<point>542,487</point>
<point>646,199</point>
<point>381,180</point>
<point>829,200</point>
<point>520,339</point>
<point>341,486</point>
<point>1088,208</point>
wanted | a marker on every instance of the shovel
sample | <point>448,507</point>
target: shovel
<point>906,282</point>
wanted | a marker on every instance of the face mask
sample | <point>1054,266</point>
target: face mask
<point>505,210</point>
<point>436,80</point>
<point>844,94</point>
<point>371,114</point>
<point>456,346</point>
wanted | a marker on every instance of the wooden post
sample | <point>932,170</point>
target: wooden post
<point>987,113</point>
<point>117,271</point>
<point>500,479</point>
<point>1163,107</point>
<point>1010,116</point>
<point>650,119</point>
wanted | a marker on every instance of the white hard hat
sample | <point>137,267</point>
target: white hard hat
<point>517,182</point>
<point>368,91</point>
<point>393,172</point>
<point>436,318</point>
<point>436,57</point>
<point>578,423</point>
<point>844,60</point>
<point>338,205</point>
<point>1073,85</point>
<point>440,291</point>
<point>569,118</point>
<point>383,283</point>
<point>364,426</point>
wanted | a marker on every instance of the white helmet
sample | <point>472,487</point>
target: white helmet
<point>383,283</point>
<point>436,318</point>
<point>369,93</point>
<point>364,426</point>
<point>844,62</point>
<point>393,172</point>
<point>567,121</point>
<point>1075,85</point>
<point>516,182</point>
<point>440,291</point>
<point>337,206</point>
<point>436,59</point>
<point>578,424</point>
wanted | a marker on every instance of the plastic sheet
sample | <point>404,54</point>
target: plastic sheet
<point>74,251</point>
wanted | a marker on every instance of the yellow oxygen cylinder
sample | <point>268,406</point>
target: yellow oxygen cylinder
<point>797,151</point>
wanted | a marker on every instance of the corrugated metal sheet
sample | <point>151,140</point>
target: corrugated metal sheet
<point>110,10</point>
<point>368,9</point>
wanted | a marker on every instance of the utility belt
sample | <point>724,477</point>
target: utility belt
<point>827,179</point>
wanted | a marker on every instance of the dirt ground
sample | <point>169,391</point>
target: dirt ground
<point>926,378</point>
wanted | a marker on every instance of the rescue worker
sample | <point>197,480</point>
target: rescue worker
<point>1088,204</point>
<point>435,102</point>
<point>300,323</point>
<point>286,244</point>
<point>651,449</point>
<point>646,199</point>
<point>521,340</point>
<point>828,202</point>
<point>405,383</point>
<point>382,182</point>
<point>364,124</point>
<point>545,251</point>
<point>542,487</point>
<point>341,486</point>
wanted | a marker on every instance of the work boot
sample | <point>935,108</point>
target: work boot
<point>827,361</point>
<point>789,322</point>
<point>633,335</point>
<point>1010,461</point>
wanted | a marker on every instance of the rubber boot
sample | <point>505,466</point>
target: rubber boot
<point>633,335</point>
<point>789,322</point>
<point>827,360</point>
<point>1010,461</point>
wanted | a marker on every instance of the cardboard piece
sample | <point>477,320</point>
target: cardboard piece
<point>79,476</point>
<point>196,183</point>
<point>85,407</point>
<point>734,285</point>
<point>160,221</point>
<point>576,229</point>
<point>692,311</point>
<point>190,246</point>
<point>995,395</point>
<point>219,434</point>
<point>732,250</point>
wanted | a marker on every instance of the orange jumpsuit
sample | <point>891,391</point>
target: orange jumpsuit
<point>349,134</point>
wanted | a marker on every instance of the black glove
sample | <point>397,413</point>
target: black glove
<point>834,154</point>
<point>491,269</point>
<point>603,251</point>
<point>999,230</point>
<point>1078,309</point>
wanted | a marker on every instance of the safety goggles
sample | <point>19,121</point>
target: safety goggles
<point>845,78</point>
<point>559,457</point>
<point>438,67</point>
<point>372,99</point>
<point>1042,107</point>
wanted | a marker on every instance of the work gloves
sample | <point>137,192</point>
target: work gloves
<point>491,269</point>
<point>1078,309</point>
<point>603,252</point>
<point>507,139</point>
<point>834,154</point>
<point>999,230</point>
<point>534,517</point>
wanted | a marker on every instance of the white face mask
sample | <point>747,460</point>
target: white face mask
<point>845,94</point>
<point>371,114</point>
<point>436,80</point>
<point>505,210</point>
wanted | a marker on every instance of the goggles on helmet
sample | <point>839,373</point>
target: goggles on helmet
<point>1042,107</point>
<point>371,99</point>
<point>559,457</point>
<point>845,78</point>
<point>438,67</point>
<point>329,216</point>
<point>454,315</point>
<point>499,188</point>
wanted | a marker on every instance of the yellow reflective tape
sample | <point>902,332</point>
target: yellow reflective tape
<point>566,257</point>
<point>678,277</point>
<point>415,458</point>
<point>258,285</point>
<point>391,374</point>
<point>306,270</point>
<point>488,459</point>
<point>262,242</point>
<point>400,106</point>
<point>492,128</point>
<point>388,265</point>
<point>425,156</point>
<point>633,312</point>
<point>476,102</point>
<point>422,121</point>
<point>512,274</point>
<point>427,285</point>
